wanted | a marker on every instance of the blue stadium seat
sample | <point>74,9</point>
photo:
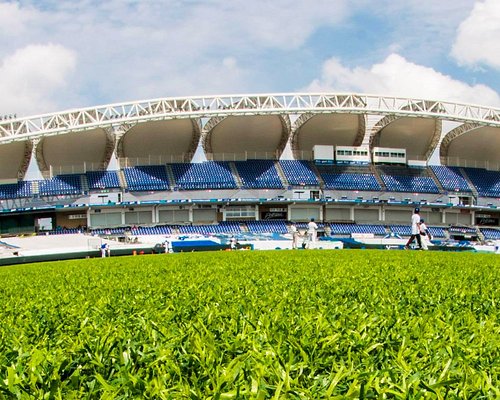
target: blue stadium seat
<point>349,228</point>
<point>299,173</point>
<point>450,178</point>
<point>102,180</point>
<point>487,182</point>
<point>206,175</point>
<point>15,190</point>
<point>490,233</point>
<point>258,174</point>
<point>61,185</point>
<point>271,226</point>
<point>146,178</point>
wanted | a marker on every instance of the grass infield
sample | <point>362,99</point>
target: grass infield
<point>253,325</point>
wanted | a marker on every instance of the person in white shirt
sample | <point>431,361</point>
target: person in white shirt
<point>295,236</point>
<point>312,233</point>
<point>415,230</point>
<point>426,236</point>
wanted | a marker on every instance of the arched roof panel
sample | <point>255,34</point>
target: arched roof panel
<point>162,141</point>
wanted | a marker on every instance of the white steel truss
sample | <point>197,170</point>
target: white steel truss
<point>114,115</point>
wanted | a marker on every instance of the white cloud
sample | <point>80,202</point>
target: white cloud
<point>31,77</point>
<point>478,37</point>
<point>137,49</point>
<point>397,76</point>
<point>14,19</point>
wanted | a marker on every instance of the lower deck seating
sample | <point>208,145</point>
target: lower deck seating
<point>276,226</point>
<point>490,233</point>
<point>349,228</point>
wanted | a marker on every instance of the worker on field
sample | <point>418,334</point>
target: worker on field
<point>425,235</point>
<point>312,233</point>
<point>295,236</point>
<point>415,229</point>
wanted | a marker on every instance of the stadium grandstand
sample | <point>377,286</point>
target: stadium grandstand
<point>252,164</point>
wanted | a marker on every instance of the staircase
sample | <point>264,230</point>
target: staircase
<point>236,176</point>
<point>121,179</point>
<point>469,182</point>
<point>281,174</point>
<point>318,175</point>
<point>170,176</point>
<point>375,173</point>
<point>436,180</point>
<point>84,183</point>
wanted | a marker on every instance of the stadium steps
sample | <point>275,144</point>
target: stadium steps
<point>376,174</point>
<point>35,187</point>
<point>469,182</point>
<point>434,177</point>
<point>315,169</point>
<point>84,183</point>
<point>170,176</point>
<point>236,175</point>
<point>121,179</point>
<point>281,174</point>
<point>480,235</point>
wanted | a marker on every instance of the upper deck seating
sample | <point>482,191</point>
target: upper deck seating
<point>102,180</point>
<point>406,179</point>
<point>15,190</point>
<point>61,185</point>
<point>148,177</point>
<point>349,178</point>
<point>258,174</point>
<point>299,173</point>
<point>486,182</point>
<point>206,175</point>
<point>450,178</point>
<point>211,229</point>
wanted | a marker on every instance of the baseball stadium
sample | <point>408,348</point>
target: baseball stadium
<point>206,169</point>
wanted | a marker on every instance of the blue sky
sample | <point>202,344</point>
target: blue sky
<point>56,54</point>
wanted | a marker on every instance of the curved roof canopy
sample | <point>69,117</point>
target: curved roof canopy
<point>75,152</point>
<point>473,146</point>
<point>255,136</point>
<point>327,129</point>
<point>419,136</point>
<point>158,142</point>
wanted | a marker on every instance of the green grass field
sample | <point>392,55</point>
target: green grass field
<point>256,325</point>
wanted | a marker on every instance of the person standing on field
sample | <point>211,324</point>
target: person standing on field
<point>425,235</point>
<point>312,233</point>
<point>295,236</point>
<point>415,229</point>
